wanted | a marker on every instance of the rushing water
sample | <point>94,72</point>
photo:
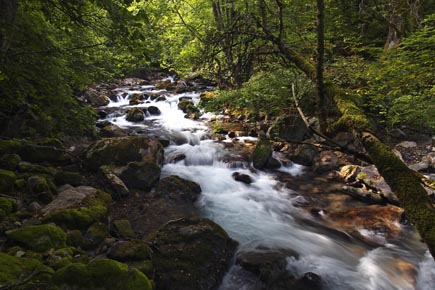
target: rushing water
<point>262,216</point>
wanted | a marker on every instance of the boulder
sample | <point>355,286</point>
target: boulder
<point>96,98</point>
<point>68,177</point>
<point>154,111</point>
<point>112,130</point>
<point>326,161</point>
<point>242,177</point>
<point>39,238</point>
<point>113,183</point>
<point>7,206</point>
<point>178,189</point>
<point>95,235</point>
<point>39,188</point>
<point>10,161</point>
<point>140,175</point>
<point>305,155</point>
<point>135,250</point>
<point>7,181</point>
<point>121,151</point>
<point>122,229</point>
<point>102,274</point>
<point>77,208</point>
<point>27,167</point>
<point>289,128</point>
<point>135,115</point>
<point>47,150</point>
<point>14,269</point>
<point>262,156</point>
<point>187,107</point>
<point>191,254</point>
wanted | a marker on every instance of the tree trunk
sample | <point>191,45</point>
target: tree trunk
<point>404,183</point>
<point>321,102</point>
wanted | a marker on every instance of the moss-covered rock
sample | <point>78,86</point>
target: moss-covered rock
<point>261,154</point>
<point>14,269</point>
<point>7,181</point>
<point>74,238</point>
<point>47,150</point>
<point>122,229</point>
<point>39,188</point>
<point>179,189</point>
<point>135,250</point>
<point>27,167</point>
<point>121,151</point>
<point>95,234</point>
<point>135,115</point>
<point>68,177</point>
<point>104,274</point>
<point>39,238</point>
<point>194,254</point>
<point>187,107</point>
<point>141,175</point>
<point>113,183</point>
<point>10,161</point>
<point>7,206</point>
<point>78,208</point>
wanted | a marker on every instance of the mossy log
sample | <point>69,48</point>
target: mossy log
<point>403,181</point>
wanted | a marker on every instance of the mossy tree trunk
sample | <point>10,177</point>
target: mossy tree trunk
<point>403,181</point>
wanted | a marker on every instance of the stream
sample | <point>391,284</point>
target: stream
<point>262,216</point>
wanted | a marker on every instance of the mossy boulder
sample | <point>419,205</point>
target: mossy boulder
<point>305,154</point>
<point>193,253</point>
<point>262,155</point>
<point>187,107</point>
<point>39,238</point>
<point>135,115</point>
<point>47,150</point>
<point>96,98</point>
<point>179,189</point>
<point>140,175</point>
<point>102,274</point>
<point>27,167</point>
<point>78,208</point>
<point>135,250</point>
<point>74,238</point>
<point>14,269</point>
<point>10,161</point>
<point>7,181</point>
<point>68,177</point>
<point>7,206</point>
<point>122,229</point>
<point>112,130</point>
<point>289,128</point>
<point>39,188</point>
<point>121,151</point>
<point>95,235</point>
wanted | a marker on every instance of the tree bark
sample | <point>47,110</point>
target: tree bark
<point>321,102</point>
<point>403,181</point>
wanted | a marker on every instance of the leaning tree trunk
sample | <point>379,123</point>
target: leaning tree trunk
<point>402,180</point>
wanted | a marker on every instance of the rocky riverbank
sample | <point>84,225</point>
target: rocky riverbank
<point>99,214</point>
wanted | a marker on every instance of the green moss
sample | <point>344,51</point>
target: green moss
<point>27,167</point>
<point>145,266</point>
<point>95,234</point>
<point>261,154</point>
<point>93,209</point>
<point>7,181</point>
<point>10,161</point>
<point>13,269</point>
<point>130,251</point>
<point>74,238</point>
<point>104,274</point>
<point>406,185</point>
<point>39,238</point>
<point>47,150</point>
<point>123,229</point>
<point>67,177</point>
<point>8,205</point>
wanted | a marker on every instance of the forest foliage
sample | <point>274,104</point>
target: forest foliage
<point>382,52</point>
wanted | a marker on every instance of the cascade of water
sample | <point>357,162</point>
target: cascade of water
<point>261,215</point>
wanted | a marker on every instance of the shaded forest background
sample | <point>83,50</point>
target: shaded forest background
<point>381,52</point>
